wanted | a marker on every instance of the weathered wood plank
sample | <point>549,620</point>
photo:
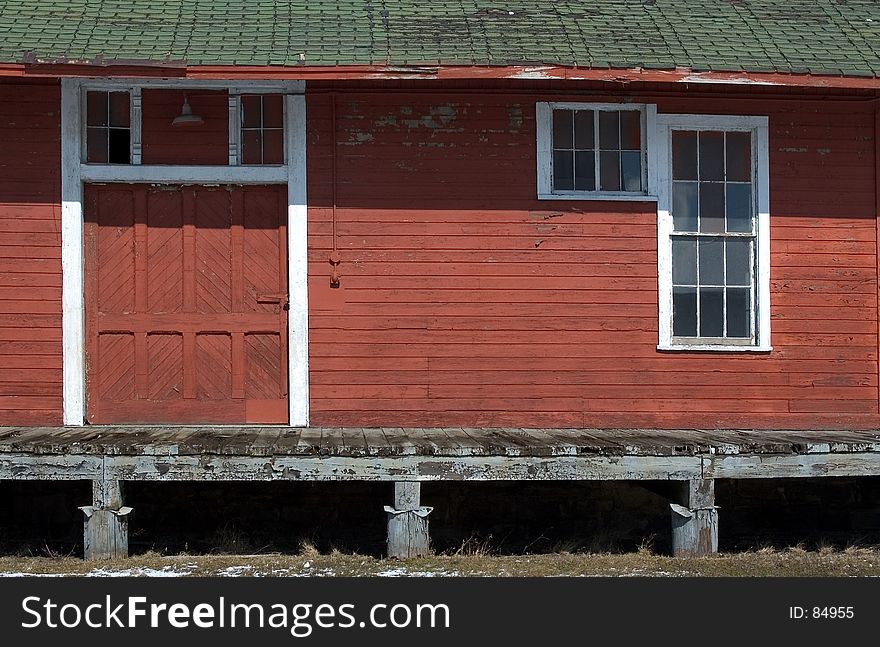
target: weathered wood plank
<point>407,522</point>
<point>742,466</point>
<point>49,467</point>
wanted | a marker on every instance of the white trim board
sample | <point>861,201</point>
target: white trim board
<point>663,169</point>
<point>74,173</point>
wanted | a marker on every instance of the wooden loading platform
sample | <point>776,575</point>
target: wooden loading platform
<point>693,459</point>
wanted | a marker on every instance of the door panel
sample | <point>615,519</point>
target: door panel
<point>186,292</point>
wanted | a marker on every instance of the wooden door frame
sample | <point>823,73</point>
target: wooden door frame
<point>74,173</point>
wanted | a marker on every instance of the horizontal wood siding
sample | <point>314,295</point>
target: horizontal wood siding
<point>465,301</point>
<point>30,253</point>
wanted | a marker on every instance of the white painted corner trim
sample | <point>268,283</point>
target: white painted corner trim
<point>662,164</point>
<point>544,143</point>
<point>74,173</point>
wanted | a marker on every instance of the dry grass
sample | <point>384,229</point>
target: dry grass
<point>473,561</point>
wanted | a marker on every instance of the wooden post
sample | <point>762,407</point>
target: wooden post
<point>105,529</point>
<point>695,520</point>
<point>407,522</point>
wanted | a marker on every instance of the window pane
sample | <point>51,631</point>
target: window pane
<point>631,167</point>
<point>711,312</point>
<point>739,262</point>
<point>739,207</point>
<point>738,312</point>
<point>251,112</point>
<point>684,206</point>
<point>585,171</point>
<point>630,130</point>
<point>562,129</point>
<point>739,157</point>
<point>711,207</point>
<point>120,115</point>
<point>609,163</point>
<point>711,155</point>
<point>684,261</point>
<point>583,130</point>
<point>273,147</point>
<point>251,147</point>
<point>96,145</point>
<point>684,155</point>
<point>96,108</point>
<point>563,170</point>
<point>684,312</point>
<point>609,137</point>
<point>711,261</point>
<point>273,111</point>
<point>119,146</point>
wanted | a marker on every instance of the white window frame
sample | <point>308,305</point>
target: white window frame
<point>75,172</point>
<point>544,135</point>
<point>662,162</point>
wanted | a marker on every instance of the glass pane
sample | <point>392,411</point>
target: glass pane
<point>711,207</point>
<point>562,129</point>
<point>251,112</point>
<point>273,147</point>
<point>684,312</point>
<point>96,145</point>
<point>609,175</point>
<point>711,261</point>
<point>684,261</point>
<point>251,147</point>
<point>563,170</point>
<point>711,312</point>
<point>631,167</point>
<point>120,115</point>
<point>711,155</point>
<point>739,157</point>
<point>119,146</point>
<point>630,130</point>
<point>684,155</point>
<point>585,171</point>
<point>583,130</point>
<point>609,137</point>
<point>684,206</point>
<point>738,312</point>
<point>739,207</point>
<point>739,261</point>
<point>96,108</point>
<point>273,111</point>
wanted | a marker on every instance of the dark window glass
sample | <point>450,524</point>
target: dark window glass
<point>251,147</point>
<point>711,261</point>
<point>273,147</point>
<point>684,206</point>
<point>711,155</point>
<point>119,146</point>
<point>739,262</point>
<point>96,108</point>
<point>684,261</point>
<point>609,134</point>
<point>711,312</point>
<point>562,129</point>
<point>273,111</point>
<point>738,306</point>
<point>631,169</point>
<point>563,170</point>
<point>120,111</point>
<point>251,111</point>
<point>585,171</point>
<point>739,157</point>
<point>583,130</point>
<point>609,164</point>
<point>96,145</point>
<point>684,155</point>
<point>739,207</point>
<point>684,312</point>
<point>711,207</point>
<point>630,130</point>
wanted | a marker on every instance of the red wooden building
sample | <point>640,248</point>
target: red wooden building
<point>660,216</point>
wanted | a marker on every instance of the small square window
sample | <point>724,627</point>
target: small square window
<point>108,127</point>
<point>591,151</point>
<point>262,129</point>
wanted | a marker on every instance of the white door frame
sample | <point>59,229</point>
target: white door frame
<point>74,172</point>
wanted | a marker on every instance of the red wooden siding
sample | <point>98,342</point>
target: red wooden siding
<point>30,253</point>
<point>206,143</point>
<point>465,301</point>
<point>184,294</point>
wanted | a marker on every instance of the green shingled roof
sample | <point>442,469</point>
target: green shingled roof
<point>800,36</point>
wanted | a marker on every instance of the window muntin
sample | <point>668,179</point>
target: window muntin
<point>597,149</point>
<point>713,237</point>
<point>108,127</point>
<point>262,129</point>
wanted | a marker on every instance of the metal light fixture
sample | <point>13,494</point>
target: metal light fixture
<point>186,115</point>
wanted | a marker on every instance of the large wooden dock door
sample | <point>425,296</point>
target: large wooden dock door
<point>186,304</point>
